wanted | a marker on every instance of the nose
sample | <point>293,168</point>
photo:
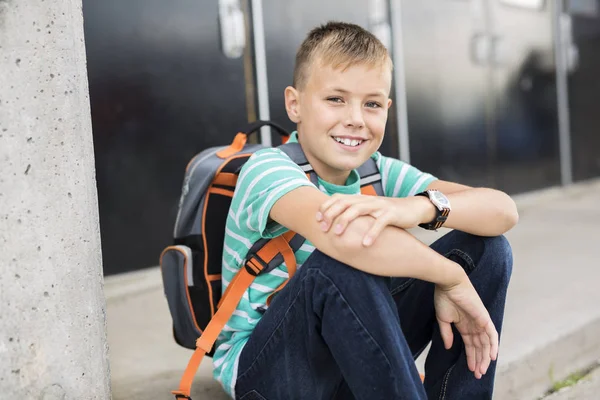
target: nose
<point>354,118</point>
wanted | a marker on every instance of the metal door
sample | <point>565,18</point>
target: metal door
<point>581,48</point>
<point>523,133</point>
<point>481,94</point>
<point>445,53</point>
<point>167,80</point>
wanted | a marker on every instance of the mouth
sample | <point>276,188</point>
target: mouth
<point>349,143</point>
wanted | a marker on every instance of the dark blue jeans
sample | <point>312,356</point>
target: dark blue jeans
<point>335,332</point>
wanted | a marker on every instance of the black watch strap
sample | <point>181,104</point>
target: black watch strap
<point>440,216</point>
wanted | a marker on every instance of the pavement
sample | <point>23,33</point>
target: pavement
<point>552,319</point>
<point>587,388</point>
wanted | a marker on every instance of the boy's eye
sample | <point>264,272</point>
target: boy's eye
<point>373,104</point>
<point>335,99</point>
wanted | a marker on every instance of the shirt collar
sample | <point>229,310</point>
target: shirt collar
<point>293,137</point>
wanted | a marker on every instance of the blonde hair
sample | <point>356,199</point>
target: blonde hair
<point>338,44</point>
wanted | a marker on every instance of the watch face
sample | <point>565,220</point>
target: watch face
<point>439,198</point>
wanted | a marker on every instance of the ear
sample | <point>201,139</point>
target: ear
<point>389,103</point>
<point>292,104</point>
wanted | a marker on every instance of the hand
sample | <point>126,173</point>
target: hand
<point>461,305</point>
<point>339,210</point>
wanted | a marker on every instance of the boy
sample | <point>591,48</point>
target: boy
<point>367,296</point>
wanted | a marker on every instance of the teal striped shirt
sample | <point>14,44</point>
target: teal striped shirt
<point>267,176</point>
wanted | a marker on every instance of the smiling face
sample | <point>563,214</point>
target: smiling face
<point>341,115</point>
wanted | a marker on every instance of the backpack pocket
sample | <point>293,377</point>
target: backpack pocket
<point>177,272</point>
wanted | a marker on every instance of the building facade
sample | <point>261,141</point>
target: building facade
<point>498,93</point>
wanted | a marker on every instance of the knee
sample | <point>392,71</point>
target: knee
<point>499,249</point>
<point>498,254</point>
<point>492,253</point>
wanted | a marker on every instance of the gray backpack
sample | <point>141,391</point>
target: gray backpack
<point>191,267</point>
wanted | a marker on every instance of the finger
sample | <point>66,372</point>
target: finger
<point>343,203</point>
<point>378,226</point>
<point>485,363</point>
<point>447,334</point>
<point>470,352</point>
<point>332,213</point>
<point>329,202</point>
<point>493,336</point>
<point>478,355</point>
<point>351,213</point>
<point>337,197</point>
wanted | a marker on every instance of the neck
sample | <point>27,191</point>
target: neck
<point>325,172</point>
<point>337,178</point>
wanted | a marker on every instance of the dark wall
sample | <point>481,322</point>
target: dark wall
<point>446,91</point>
<point>525,151</point>
<point>476,117</point>
<point>161,90</point>
<point>584,96</point>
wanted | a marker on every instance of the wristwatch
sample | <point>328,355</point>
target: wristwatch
<point>442,205</point>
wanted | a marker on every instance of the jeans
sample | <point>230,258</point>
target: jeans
<point>335,332</point>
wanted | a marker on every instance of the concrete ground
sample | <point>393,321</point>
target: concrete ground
<point>551,329</point>
<point>587,388</point>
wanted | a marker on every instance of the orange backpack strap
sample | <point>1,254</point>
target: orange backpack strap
<point>205,342</point>
<point>370,179</point>
<point>236,146</point>
<point>289,258</point>
<point>368,190</point>
<point>264,255</point>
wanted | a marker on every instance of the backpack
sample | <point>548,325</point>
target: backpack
<point>191,267</point>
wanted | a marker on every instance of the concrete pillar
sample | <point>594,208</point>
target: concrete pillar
<point>52,309</point>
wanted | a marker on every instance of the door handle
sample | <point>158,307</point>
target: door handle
<point>481,49</point>
<point>488,49</point>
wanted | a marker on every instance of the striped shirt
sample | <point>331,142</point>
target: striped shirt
<point>267,176</point>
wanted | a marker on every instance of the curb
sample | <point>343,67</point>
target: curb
<point>529,376</point>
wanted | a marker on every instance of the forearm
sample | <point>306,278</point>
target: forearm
<point>482,211</point>
<point>394,253</point>
<point>479,211</point>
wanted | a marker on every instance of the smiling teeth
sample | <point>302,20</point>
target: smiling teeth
<point>349,142</point>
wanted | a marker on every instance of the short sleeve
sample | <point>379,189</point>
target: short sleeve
<point>267,176</point>
<point>401,179</point>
